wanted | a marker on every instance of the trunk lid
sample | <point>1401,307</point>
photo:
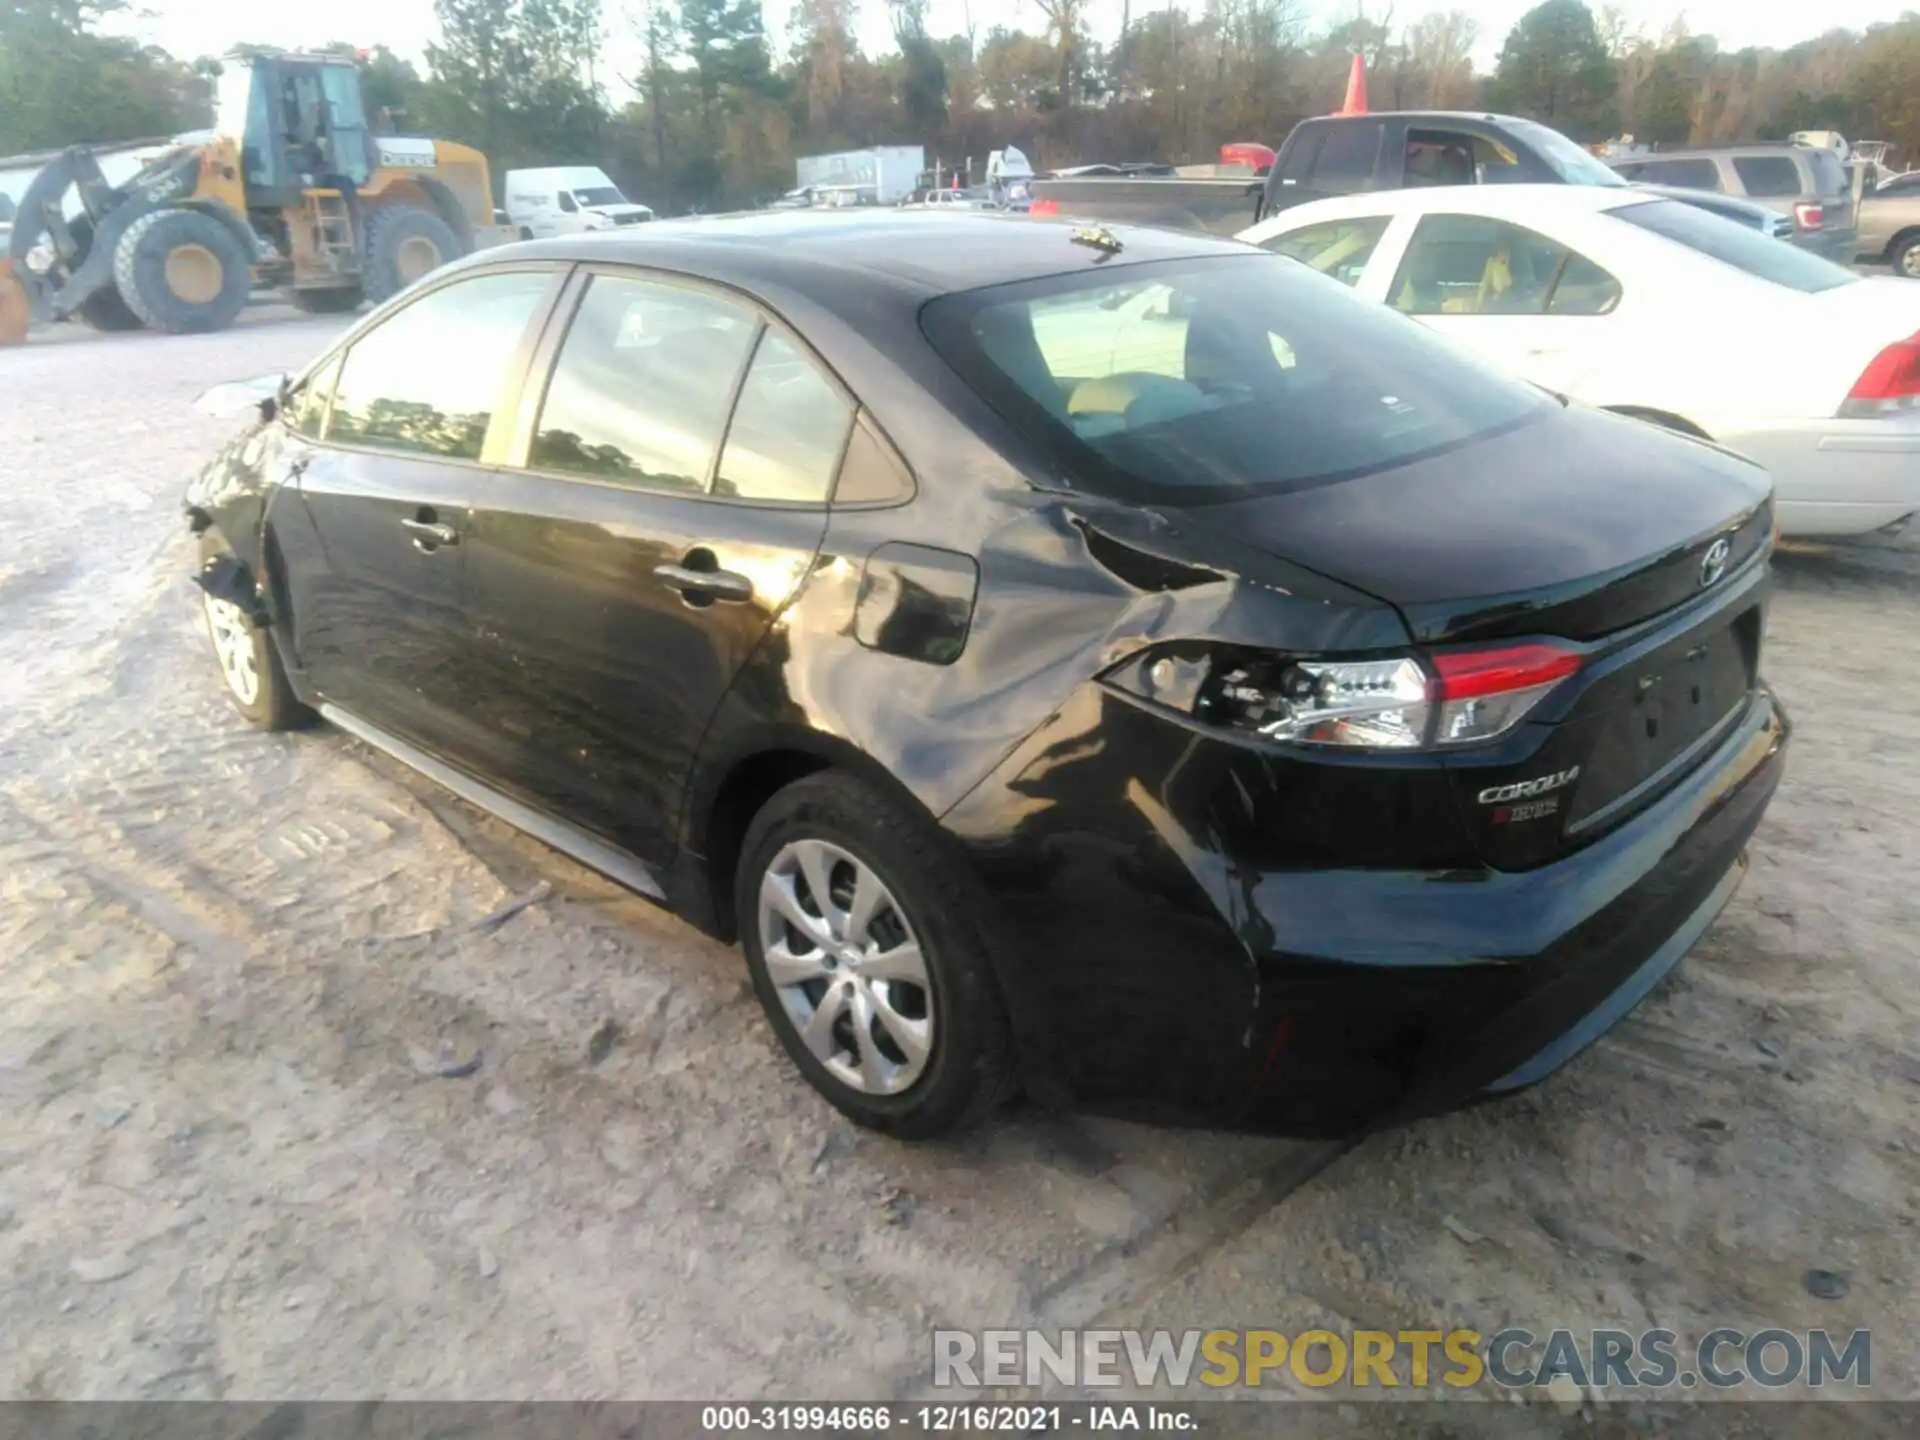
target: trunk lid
<point>1576,526</point>
<point>1643,548</point>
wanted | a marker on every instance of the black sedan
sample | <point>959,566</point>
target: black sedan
<point>1110,663</point>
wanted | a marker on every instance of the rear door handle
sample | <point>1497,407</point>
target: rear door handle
<point>429,532</point>
<point>710,584</point>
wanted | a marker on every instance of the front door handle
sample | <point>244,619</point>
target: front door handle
<point>430,533</point>
<point>702,586</point>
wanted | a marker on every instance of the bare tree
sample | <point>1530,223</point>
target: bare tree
<point>1063,24</point>
<point>1439,51</point>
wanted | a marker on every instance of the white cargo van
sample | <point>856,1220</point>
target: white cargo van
<point>567,199</point>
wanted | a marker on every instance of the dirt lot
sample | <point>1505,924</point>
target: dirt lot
<point>294,1101</point>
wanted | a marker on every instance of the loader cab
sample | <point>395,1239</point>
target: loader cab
<point>299,120</point>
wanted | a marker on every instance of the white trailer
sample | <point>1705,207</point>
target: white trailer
<point>878,175</point>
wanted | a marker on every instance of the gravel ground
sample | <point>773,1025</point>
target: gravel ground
<point>316,1082</point>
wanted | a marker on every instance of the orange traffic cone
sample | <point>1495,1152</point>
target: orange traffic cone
<point>1356,90</point>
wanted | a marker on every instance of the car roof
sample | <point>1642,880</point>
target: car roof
<point>916,255</point>
<point>1456,115</point>
<point>1505,201</point>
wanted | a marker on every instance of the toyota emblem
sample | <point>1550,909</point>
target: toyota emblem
<point>1713,564</point>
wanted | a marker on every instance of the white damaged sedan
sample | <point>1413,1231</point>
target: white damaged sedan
<point>1630,301</point>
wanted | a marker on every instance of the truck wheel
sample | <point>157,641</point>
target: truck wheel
<point>403,243</point>
<point>1906,258</point>
<point>182,272</point>
<point>105,310</point>
<point>326,302</point>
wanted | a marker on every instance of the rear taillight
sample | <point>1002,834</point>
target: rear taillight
<point>1890,385</point>
<point>1809,215</point>
<point>1393,702</point>
<point>1483,693</point>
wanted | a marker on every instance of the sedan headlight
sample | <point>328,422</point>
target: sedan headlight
<point>1390,702</point>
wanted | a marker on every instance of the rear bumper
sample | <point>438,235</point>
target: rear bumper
<point>1836,477</point>
<point>1156,977</point>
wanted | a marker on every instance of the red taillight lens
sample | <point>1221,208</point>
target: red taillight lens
<point>1467,674</point>
<point>1482,693</point>
<point>1890,385</point>
<point>1044,207</point>
<point>1809,215</point>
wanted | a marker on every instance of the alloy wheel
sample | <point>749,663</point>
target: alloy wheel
<point>232,635</point>
<point>847,967</point>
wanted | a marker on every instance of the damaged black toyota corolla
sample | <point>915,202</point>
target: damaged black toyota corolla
<point>1113,663</point>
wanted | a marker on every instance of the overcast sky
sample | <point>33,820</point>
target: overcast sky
<point>191,28</point>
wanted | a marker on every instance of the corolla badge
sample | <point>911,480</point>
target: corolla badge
<point>1527,789</point>
<point>1713,564</point>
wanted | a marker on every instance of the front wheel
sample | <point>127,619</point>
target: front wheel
<point>182,272</point>
<point>866,943</point>
<point>250,668</point>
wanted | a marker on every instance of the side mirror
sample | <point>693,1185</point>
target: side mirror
<point>274,404</point>
<point>267,395</point>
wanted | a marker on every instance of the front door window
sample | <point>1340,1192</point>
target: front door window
<point>1473,265</point>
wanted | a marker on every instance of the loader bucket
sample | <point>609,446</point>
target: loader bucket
<point>15,308</point>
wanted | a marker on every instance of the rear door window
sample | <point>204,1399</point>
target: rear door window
<point>1339,248</point>
<point>639,394</point>
<point>428,379</point>
<point>1696,174</point>
<point>1472,265</point>
<point>1765,176</point>
<point>1348,156</point>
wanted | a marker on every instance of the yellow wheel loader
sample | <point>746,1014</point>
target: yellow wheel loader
<point>292,189</point>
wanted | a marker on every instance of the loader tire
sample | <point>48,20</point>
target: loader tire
<point>403,243</point>
<point>105,310</point>
<point>182,272</point>
<point>339,301</point>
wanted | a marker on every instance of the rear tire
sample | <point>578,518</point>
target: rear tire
<point>327,302</point>
<point>248,660</point>
<point>182,272</point>
<point>915,975</point>
<point>1906,258</point>
<point>403,244</point>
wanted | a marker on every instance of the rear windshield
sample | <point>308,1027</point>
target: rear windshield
<point>1198,381</point>
<point>1746,249</point>
<point>1566,159</point>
